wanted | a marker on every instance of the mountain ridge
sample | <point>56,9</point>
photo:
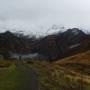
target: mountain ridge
<point>56,45</point>
<point>50,47</point>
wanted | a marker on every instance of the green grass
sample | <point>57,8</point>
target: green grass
<point>13,76</point>
<point>9,75</point>
<point>8,78</point>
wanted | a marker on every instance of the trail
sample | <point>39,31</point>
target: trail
<point>27,78</point>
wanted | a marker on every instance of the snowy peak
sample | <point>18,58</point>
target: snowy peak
<point>75,31</point>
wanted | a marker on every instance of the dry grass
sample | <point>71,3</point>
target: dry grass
<point>79,63</point>
<point>83,58</point>
<point>6,63</point>
<point>66,74</point>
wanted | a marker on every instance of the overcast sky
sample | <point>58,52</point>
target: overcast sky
<point>30,15</point>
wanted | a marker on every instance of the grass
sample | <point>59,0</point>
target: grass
<point>79,63</point>
<point>65,74</point>
<point>8,78</point>
<point>71,73</point>
<point>5,63</point>
<point>14,76</point>
<point>8,75</point>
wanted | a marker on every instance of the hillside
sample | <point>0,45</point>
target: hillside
<point>79,63</point>
<point>72,73</point>
<point>81,58</point>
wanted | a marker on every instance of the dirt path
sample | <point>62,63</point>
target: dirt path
<point>27,78</point>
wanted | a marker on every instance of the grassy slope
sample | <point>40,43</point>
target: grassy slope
<point>8,76</point>
<point>63,75</point>
<point>17,76</point>
<point>79,63</point>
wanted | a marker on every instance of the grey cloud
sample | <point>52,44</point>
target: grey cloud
<point>26,13</point>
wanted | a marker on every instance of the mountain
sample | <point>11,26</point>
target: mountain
<point>14,43</point>
<point>63,44</point>
<point>50,47</point>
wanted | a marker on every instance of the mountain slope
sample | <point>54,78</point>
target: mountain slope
<point>63,44</point>
<point>12,43</point>
<point>79,63</point>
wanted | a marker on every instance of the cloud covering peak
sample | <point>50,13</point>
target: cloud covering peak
<point>25,14</point>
